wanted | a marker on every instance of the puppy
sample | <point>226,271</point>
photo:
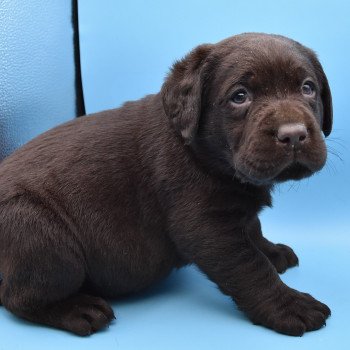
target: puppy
<point>108,204</point>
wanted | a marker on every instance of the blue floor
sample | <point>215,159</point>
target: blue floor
<point>186,311</point>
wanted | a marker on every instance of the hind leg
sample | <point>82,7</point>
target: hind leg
<point>43,270</point>
<point>80,314</point>
<point>54,305</point>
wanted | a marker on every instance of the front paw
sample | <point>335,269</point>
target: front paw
<point>291,312</point>
<point>281,256</point>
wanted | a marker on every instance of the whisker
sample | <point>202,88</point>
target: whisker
<point>331,166</point>
<point>343,146</point>
<point>335,153</point>
<point>291,186</point>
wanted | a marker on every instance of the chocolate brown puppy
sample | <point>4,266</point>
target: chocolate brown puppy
<point>109,204</point>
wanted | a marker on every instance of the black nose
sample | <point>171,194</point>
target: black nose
<point>292,134</point>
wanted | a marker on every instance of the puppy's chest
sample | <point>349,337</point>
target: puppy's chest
<point>236,204</point>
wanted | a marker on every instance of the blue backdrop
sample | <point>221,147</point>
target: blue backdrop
<point>126,50</point>
<point>37,87</point>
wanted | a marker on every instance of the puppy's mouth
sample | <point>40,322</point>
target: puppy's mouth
<point>271,163</point>
<point>294,170</point>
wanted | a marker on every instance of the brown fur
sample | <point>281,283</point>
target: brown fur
<point>109,204</point>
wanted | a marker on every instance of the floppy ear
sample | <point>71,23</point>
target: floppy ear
<point>327,105</point>
<point>326,97</point>
<point>182,92</point>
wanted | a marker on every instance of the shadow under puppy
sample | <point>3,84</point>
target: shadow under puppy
<point>108,204</point>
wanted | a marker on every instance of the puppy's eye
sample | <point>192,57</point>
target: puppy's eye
<point>240,97</point>
<point>308,88</point>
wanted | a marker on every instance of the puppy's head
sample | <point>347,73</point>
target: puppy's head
<point>253,105</point>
